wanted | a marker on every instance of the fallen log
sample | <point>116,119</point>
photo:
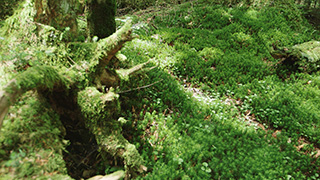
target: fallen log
<point>79,86</point>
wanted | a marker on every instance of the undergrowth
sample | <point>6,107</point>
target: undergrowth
<point>213,75</point>
<point>223,52</point>
<point>31,142</point>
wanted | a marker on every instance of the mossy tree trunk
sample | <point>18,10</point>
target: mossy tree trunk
<point>63,13</point>
<point>100,17</point>
<point>58,13</point>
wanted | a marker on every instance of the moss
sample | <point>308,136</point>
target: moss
<point>132,156</point>
<point>8,7</point>
<point>107,43</point>
<point>43,77</point>
<point>20,20</point>
<point>304,57</point>
<point>115,144</point>
<point>80,51</point>
<point>308,50</point>
<point>99,109</point>
<point>32,134</point>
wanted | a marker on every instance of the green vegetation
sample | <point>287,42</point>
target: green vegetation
<point>215,104</point>
<point>7,7</point>
<point>32,135</point>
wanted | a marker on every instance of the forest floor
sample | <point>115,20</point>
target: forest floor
<point>217,105</point>
<point>220,58</point>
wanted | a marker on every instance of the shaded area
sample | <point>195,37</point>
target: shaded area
<point>313,17</point>
<point>82,156</point>
<point>7,7</point>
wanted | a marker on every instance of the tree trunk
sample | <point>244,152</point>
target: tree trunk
<point>100,17</point>
<point>59,14</point>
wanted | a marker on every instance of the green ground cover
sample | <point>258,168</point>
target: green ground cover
<point>225,52</point>
<point>215,74</point>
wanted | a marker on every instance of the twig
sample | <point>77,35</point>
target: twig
<point>89,154</point>
<point>142,87</point>
<point>71,60</point>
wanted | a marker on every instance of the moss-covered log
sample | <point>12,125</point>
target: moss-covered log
<point>305,57</point>
<point>73,94</point>
<point>39,77</point>
<point>50,78</point>
<point>107,127</point>
<point>107,48</point>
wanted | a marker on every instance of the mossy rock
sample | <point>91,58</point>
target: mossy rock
<point>308,50</point>
<point>305,57</point>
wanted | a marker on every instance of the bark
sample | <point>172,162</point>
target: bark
<point>58,14</point>
<point>107,48</point>
<point>107,128</point>
<point>100,17</point>
<point>114,176</point>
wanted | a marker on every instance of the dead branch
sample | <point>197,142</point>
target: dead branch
<point>142,87</point>
<point>107,48</point>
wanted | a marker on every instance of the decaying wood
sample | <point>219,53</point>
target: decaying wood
<point>41,77</point>
<point>100,110</point>
<point>107,48</point>
<point>113,176</point>
<point>107,128</point>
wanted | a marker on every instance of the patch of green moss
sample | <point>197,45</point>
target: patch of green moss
<point>45,77</point>
<point>132,156</point>
<point>31,139</point>
<point>99,109</point>
<point>184,132</point>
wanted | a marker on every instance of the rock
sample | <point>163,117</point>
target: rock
<point>114,176</point>
<point>305,57</point>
